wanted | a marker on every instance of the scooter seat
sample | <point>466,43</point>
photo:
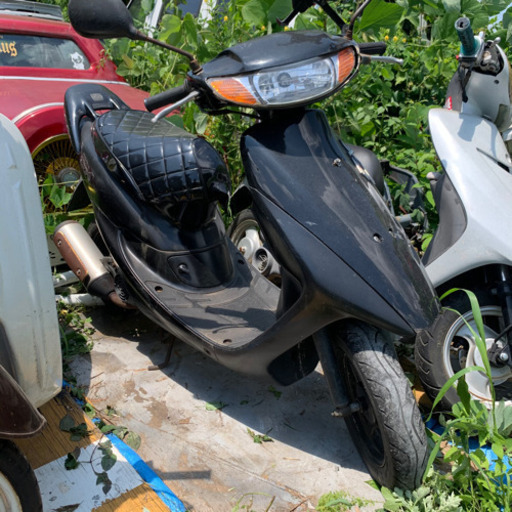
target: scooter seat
<point>161,163</point>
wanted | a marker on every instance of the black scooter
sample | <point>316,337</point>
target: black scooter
<point>349,275</point>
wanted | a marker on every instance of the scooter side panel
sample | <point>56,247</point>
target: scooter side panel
<point>297,163</point>
<point>29,329</point>
<point>476,160</point>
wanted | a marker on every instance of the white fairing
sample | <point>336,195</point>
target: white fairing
<point>471,150</point>
<point>489,97</point>
<point>28,317</point>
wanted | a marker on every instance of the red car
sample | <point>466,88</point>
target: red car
<point>40,57</point>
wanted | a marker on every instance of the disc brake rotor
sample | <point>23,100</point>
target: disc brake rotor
<point>460,341</point>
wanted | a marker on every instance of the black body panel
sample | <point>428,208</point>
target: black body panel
<point>277,49</point>
<point>299,166</point>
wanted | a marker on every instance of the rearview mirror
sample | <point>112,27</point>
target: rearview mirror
<point>98,19</point>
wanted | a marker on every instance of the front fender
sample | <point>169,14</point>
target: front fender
<point>18,417</point>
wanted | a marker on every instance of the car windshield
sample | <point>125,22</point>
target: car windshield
<point>40,52</point>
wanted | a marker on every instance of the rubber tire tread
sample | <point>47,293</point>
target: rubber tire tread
<point>428,351</point>
<point>15,467</point>
<point>372,355</point>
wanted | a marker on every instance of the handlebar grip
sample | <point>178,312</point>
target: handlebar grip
<point>377,48</point>
<point>167,97</point>
<point>466,36</point>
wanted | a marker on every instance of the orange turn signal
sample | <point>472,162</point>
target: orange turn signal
<point>346,63</point>
<point>232,90</point>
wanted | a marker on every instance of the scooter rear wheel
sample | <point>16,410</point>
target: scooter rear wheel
<point>387,428</point>
<point>19,491</point>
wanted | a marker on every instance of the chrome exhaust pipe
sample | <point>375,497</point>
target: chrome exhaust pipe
<point>86,261</point>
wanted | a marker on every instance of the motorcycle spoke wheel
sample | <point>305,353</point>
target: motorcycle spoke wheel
<point>19,491</point>
<point>386,427</point>
<point>451,347</point>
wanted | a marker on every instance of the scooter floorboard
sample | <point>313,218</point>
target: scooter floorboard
<point>233,314</point>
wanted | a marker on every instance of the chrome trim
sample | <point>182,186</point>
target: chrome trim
<point>49,79</point>
<point>25,113</point>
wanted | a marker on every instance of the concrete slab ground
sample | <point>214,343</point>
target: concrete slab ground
<point>199,421</point>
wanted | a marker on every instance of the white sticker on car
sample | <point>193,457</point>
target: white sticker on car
<point>77,60</point>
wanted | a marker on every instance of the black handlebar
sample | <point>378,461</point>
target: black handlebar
<point>167,97</point>
<point>377,48</point>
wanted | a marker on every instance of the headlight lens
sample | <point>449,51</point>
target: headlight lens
<point>288,85</point>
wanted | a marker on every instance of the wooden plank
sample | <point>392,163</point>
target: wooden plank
<point>54,443</point>
<point>137,500</point>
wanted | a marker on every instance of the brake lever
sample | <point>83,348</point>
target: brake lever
<point>385,59</point>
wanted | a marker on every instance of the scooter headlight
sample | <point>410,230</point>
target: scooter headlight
<point>295,84</point>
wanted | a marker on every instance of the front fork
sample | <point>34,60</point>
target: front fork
<point>342,405</point>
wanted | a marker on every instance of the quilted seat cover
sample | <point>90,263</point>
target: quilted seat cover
<point>163,164</point>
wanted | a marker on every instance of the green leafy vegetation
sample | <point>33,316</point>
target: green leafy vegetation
<point>469,468</point>
<point>259,438</point>
<point>215,406</point>
<point>339,501</point>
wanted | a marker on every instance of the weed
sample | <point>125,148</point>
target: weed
<point>339,501</point>
<point>259,438</point>
<point>245,502</point>
<point>215,406</point>
<point>275,392</point>
<point>75,330</point>
<point>474,446</point>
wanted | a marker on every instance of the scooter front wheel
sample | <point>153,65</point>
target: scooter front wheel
<point>19,491</point>
<point>386,427</point>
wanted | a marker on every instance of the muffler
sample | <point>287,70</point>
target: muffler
<point>85,260</point>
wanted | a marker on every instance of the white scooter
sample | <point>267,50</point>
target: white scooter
<point>30,354</point>
<point>472,248</point>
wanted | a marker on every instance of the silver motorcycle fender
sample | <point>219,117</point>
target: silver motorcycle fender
<point>474,156</point>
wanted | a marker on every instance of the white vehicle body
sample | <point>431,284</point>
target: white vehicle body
<point>29,333</point>
<point>472,246</point>
<point>474,156</point>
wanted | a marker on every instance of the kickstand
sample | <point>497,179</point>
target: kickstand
<point>170,344</point>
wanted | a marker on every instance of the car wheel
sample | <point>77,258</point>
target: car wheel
<point>19,491</point>
<point>57,158</point>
